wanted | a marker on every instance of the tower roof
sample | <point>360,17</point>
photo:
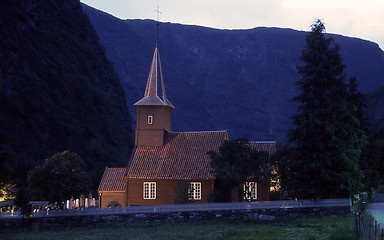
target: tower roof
<point>155,89</point>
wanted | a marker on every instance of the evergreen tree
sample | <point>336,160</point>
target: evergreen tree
<point>370,157</point>
<point>379,137</point>
<point>327,136</point>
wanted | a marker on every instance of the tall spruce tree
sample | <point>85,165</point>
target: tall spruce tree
<point>370,156</point>
<point>327,135</point>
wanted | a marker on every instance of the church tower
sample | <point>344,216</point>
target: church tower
<point>154,110</point>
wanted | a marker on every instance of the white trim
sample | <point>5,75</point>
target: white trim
<point>194,191</point>
<point>150,119</point>
<point>149,190</point>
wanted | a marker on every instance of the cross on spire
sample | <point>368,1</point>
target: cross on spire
<point>158,12</point>
<point>157,24</point>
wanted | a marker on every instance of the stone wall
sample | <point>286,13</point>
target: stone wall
<point>185,216</point>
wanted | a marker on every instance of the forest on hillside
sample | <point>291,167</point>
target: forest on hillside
<point>58,91</point>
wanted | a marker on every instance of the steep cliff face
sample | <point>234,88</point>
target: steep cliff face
<point>57,89</point>
<point>240,80</point>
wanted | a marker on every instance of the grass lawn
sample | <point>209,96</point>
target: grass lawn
<point>341,227</point>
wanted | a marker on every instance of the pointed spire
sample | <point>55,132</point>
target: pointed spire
<point>155,89</point>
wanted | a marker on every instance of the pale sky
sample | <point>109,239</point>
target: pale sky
<point>355,18</point>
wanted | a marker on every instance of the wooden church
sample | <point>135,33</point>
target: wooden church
<point>162,159</point>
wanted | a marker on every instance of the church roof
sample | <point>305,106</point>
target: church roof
<point>184,156</point>
<point>267,146</point>
<point>155,90</point>
<point>113,180</point>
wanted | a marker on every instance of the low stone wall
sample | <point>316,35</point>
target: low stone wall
<point>184,216</point>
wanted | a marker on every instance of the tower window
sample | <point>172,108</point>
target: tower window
<point>150,119</point>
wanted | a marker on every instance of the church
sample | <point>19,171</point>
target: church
<point>163,159</point>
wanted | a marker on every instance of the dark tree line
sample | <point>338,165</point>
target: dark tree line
<point>331,153</point>
<point>58,178</point>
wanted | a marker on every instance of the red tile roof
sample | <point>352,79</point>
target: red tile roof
<point>184,156</point>
<point>267,146</point>
<point>113,180</point>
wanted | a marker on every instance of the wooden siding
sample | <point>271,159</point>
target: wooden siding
<point>262,191</point>
<point>165,191</point>
<point>142,117</point>
<point>149,137</point>
<point>168,119</point>
<point>106,197</point>
<point>152,134</point>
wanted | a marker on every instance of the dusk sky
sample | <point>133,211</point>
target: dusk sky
<point>354,18</point>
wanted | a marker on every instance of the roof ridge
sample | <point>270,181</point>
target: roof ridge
<point>271,141</point>
<point>202,131</point>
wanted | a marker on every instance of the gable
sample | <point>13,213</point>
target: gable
<point>113,180</point>
<point>183,156</point>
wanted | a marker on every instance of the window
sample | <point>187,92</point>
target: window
<point>149,190</point>
<point>150,119</point>
<point>194,191</point>
<point>250,190</point>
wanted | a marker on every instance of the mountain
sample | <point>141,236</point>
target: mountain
<point>375,109</point>
<point>240,80</point>
<point>58,91</point>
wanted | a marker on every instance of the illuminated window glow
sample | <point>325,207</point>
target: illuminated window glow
<point>250,190</point>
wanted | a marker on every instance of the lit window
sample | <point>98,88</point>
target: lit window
<point>194,191</point>
<point>149,190</point>
<point>150,119</point>
<point>250,190</point>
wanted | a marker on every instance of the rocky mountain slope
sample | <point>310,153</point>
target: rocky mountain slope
<point>240,80</point>
<point>57,90</point>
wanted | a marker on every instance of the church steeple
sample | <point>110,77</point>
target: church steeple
<point>155,89</point>
<point>154,110</point>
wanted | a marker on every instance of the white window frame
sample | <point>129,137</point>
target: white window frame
<point>150,120</point>
<point>149,190</point>
<point>251,194</point>
<point>194,191</point>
